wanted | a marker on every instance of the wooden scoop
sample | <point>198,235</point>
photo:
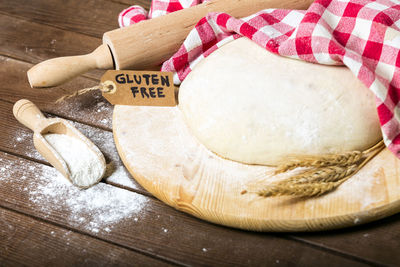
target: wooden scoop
<point>147,44</point>
<point>29,115</point>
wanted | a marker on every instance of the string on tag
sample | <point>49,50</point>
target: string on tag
<point>105,87</point>
<point>135,88</point>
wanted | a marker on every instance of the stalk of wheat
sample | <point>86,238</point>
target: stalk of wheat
<point>323,174</point>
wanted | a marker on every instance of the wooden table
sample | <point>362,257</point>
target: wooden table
<point>44,220</point>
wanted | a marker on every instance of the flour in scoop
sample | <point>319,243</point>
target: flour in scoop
<point>84,164</point>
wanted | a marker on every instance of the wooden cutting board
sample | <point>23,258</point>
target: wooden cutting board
<point>162,155</point>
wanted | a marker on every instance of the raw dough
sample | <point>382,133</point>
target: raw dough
<point>249,105</point>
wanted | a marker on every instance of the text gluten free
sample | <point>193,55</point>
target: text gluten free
<point>145,85</point>
<point>139,88</point>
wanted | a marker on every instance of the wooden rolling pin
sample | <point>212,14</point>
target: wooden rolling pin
<point>146,44</point>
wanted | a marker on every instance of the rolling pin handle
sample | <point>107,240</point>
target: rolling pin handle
<point>28,114</point>
<point>103,57</point>
<point>57,71</point>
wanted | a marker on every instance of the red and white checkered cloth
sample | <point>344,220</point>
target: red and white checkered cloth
<point>364,35</point>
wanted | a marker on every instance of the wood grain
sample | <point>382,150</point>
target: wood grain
<point>25,239</point>
<point>143,3</point>
<point>374,244</point>
<point>15,86</point>
<point>90,115</point>
<point>19,39</point>
<point>17,139</point>
<point>168,161</point>
<point>92,17</point>
<point>377,241</point>
<point>186,241</point>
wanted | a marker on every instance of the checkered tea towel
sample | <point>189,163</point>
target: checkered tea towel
<point>361,34</point>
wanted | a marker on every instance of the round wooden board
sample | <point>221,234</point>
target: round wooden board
<point>161,154</point>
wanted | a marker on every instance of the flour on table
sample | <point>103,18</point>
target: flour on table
<point>93,102</point>
<point>97,209</point>
<point>85,166</point>
<point>20,139</point>
<point>116,171</point>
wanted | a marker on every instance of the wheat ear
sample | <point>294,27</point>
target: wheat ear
<point>344,159</point>
<point>325,175</point>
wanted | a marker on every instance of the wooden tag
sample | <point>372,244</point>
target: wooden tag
<point>139,88</point>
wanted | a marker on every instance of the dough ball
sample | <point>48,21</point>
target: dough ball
<point>249,105</point>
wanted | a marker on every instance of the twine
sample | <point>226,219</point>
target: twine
<point>103,87</point>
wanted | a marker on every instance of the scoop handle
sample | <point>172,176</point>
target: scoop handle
<point>29,115</point>
<point>57,71</point>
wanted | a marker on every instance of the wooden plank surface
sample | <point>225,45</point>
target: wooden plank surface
<point>16,86</point>
<point>25,239</point>
<point>17,135</point>
<point>11,128</point>
<point>29,29</point>
<point>44,98</point>
<point>142,3</point>
<point>17,139</point>
<point>151,228</point>
<point>377,241</point>
<point>19,39</point>
<point>91,17</point>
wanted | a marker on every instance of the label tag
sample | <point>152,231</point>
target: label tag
<point>139,88</point>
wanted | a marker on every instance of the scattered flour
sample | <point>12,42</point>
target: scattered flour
<point>84,165</point>
<point>92,102</point>
<point>116,173</point>
<point>20,139</point>
<point>95,209</point>
<point>98,209</point>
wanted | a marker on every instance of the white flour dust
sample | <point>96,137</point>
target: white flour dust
<point>84,164</point>
<point>99,107</point>
<point>97,209</point>
<point>116,172</point>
